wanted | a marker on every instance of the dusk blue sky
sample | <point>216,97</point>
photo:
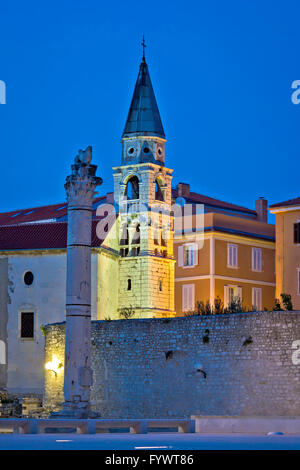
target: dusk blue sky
<point>221,72</point>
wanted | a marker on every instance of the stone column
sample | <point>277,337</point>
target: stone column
<point>80,188</point>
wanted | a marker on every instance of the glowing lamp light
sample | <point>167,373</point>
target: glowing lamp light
<point>54,365</point>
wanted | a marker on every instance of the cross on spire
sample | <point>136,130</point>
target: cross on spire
<point>144,46</point>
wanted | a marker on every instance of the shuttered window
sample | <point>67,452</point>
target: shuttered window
<point>27,325</point>
<point>297,232</point>
<point>188,297</point>
<point>256,259</point>
<point>232,255</point>
<point>188,254</point>
<point>231,293</point>
<point>256,298</point>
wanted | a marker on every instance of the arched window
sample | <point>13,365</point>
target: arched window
<point>132,188</point>
<point>158,192</point>
<point>124,240</point>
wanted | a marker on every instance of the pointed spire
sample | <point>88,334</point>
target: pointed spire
<point>143,117</point>
<point>143,46</point>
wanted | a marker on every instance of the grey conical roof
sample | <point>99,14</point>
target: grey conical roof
<point>143,117</point>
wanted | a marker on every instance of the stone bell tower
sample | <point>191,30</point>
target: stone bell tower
<point>142,189</point>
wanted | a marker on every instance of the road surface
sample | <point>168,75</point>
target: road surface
<point>151,441</point>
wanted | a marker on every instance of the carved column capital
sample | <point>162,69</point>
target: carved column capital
<point>80,186</point>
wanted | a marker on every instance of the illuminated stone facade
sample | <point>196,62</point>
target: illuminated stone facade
<point>146,264</point>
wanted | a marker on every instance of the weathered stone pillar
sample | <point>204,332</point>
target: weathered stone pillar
<point>80,188</point>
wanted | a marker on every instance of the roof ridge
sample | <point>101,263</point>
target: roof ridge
<point>295,200</point>
<point>219,200</point>
<point>46,205</point>
<point>21,224</point>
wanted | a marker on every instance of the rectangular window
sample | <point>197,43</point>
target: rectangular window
<point>232,255</point>
<point>256,298</point>
<point>232,293</point>
<point>27,325</point>
<point>256,259</point>
<point>298,280</point>
<point>188,297</point>
<point>297,232</point>
<point>188,254</point>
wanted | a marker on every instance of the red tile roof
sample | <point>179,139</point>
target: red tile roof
<point>52,212</point>
<point>27,229</point>
<point>39,236</point>
<point>209,201</point>
<point>58,212</point>
<point>289,202</point>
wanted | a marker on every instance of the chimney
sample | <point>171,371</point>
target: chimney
<point>183,189</point>
<point>261,206</point>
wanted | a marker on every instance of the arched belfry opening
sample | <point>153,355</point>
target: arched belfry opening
<point>132,188</point>
<point>124,239</point>
<point>159,196</point>
<point>136,239</point>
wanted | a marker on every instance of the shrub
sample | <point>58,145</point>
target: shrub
<point>208,308</point>
<point>218,306</point>
<point>200,308</point>
<point>126,312</point>
<point>277,306</point>
<point>287,301</point>
<point>235,306</point>
<point>44,331</point>
<point>190,313</point>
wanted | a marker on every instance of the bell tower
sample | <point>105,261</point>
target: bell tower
<point>143,196</point>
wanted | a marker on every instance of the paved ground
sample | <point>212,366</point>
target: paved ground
<point>155,442</point>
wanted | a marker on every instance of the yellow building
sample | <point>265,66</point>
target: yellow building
<point>236,258</point>
<point>288,249</point>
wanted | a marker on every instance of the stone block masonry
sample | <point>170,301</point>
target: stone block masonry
<point>237,364</point>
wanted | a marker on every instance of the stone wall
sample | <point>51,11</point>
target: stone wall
<point>238,364</point>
